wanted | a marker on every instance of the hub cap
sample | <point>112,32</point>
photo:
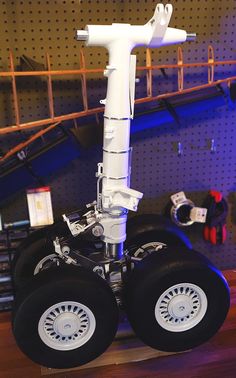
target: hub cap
<point>66,325</point>
<point>181,307</point>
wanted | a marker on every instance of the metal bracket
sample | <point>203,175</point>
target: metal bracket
<point>164,74</point>
<point>85,222</point>
<point>170,108</point>
<point>77,227</point>
<point>88,263</point>
<point>63,252</point>
<point>159,22</point>
<point>108,70</point>
<point>132,74</point>
<point>121,197</point>
<point>100,169</point>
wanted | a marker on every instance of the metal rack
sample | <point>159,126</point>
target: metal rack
<point>83,72</point>
<point>9,241</point>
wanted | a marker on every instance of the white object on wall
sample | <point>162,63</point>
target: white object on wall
<point>40,206</point>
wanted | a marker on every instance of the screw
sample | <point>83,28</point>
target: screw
<point>180,149</point>
<point>213,146</point>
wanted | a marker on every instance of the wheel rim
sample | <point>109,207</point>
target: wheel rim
<point>66,325</point>
<point>181,307</point>
<point>148,248</point>
<point>47,260</point>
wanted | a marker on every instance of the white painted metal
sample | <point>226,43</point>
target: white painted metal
<point>181,307</point>
<point>64,255</point>
<point>120,39</point>
<point>196,214</point>
<point>66,325</point>
<point>152,246</point>
<point>178,198</point>
<point>114,228</point>
<point>47,259</point>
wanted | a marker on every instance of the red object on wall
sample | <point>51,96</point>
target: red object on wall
<point>217,209</point>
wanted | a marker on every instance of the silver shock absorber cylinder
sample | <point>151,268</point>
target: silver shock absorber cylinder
<point>114,251</point>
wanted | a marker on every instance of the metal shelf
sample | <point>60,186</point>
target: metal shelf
<point>9,241</point>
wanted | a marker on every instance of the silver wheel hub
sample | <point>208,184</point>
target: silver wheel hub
<point>66,325</point>
<point>181,307</point>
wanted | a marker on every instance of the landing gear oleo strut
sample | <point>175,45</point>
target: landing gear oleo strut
<point>71,284</point>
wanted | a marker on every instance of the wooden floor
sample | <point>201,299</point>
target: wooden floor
<point>215,359</point>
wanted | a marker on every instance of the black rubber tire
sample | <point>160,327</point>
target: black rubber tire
<point>32,249</point>
<point>147,228</point>
<point>66,283</point>
<point>27,260</point>
<point>153,276</point>
<point>37,246</point>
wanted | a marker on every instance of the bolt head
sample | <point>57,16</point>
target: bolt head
<point>97,230</point>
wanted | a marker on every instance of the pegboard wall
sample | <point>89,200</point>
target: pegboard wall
<point>36,27</point>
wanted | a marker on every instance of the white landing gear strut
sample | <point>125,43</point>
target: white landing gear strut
<point>75,315</point>
<point>109,215</point>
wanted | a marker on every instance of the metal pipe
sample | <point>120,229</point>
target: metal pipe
<point>191,37</point>
<point>81,35</point>
<point>114,251</point>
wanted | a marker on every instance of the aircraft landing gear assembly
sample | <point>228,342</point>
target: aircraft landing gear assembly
<point>72,278</point>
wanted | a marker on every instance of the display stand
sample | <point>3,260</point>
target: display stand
<point>126,348</point>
